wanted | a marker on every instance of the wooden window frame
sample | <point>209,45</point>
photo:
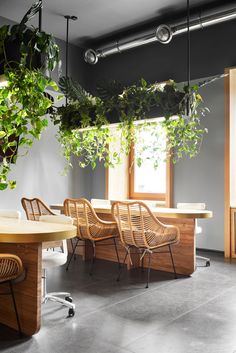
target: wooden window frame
<point>166,197</point>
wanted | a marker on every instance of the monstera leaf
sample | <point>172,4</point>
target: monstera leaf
<point>72,89</point>
<point>108,90</point>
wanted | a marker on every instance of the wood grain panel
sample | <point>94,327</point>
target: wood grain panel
<point>227,246</point>
<point>27,292</point>
<point>232,232</point>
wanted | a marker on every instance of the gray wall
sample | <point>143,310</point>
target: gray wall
<point>201,179</point>
<point>39,173</point>
<point>212,49</point>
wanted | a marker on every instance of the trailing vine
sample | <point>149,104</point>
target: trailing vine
<point>84,123</point>
<point>23,101</point>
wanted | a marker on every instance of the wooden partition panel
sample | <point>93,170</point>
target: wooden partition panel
<point>232,232</point>
<point>27,292</point>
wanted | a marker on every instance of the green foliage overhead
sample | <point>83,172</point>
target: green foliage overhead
<point>27,43</point>
<point>23,102</point>
<point>83,122</point>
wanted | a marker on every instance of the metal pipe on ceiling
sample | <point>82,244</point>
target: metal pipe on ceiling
<point>162,34</point>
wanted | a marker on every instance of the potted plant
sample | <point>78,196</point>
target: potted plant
<point>23,102</point>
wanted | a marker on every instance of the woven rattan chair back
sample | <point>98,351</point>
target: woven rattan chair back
<point>34,208</point>
<point>88,224</point>
<point>140,228</point>
<point>10,267</point>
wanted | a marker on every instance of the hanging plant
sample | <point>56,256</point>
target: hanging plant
<point>23,101</point>
<point>84,122</point>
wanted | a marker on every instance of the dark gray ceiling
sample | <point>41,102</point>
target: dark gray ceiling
<point>98,18</point>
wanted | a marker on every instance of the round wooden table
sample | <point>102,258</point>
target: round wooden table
<point>24,238</point>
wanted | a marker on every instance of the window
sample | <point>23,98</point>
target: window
<point>128,181</point>
<point>146,181</point>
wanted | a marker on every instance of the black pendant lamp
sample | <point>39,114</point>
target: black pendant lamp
<point>68,18</point>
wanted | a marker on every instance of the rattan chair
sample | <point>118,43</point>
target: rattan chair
<point>89,226</point>
<point>54,258</point>
<point>140,229</point>
<point>11,269</point>
<point>34,208</point>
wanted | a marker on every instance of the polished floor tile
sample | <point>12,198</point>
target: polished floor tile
<point>188,315</point>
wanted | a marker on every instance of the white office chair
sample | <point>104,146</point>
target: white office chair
<point>53,258</point>
<point>100,202</point>
<point>198,229</point>
<point>10,214</point>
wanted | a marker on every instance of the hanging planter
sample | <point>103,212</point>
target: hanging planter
<point>23,102</point>
<point>84,123</point>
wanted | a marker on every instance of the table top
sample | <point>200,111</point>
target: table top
<point>157,211</point>
<point>24,231</point>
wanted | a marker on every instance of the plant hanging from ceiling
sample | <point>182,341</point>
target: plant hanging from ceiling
<point>25,53</point>
<point>84,122</point>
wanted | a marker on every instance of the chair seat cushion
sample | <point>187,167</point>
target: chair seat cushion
<point>52,258</point>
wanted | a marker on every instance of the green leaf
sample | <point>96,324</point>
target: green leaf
<point>2,134</point>
<point>3,186</point>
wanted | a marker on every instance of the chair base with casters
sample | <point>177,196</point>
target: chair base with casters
<point>11,271</point>
<point>64,298</point>
<point>204,259</point>
<point>53,258</point>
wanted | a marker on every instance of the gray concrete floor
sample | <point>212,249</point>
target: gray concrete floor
<point>187,315</point>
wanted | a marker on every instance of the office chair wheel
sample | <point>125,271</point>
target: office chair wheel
<point>208,263</point>
<point>71,312</point>
<point>69,299</point>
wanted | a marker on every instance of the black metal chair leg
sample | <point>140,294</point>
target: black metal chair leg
<point>148,272</point>
<point>93,259</point>
<point>172,262</point>
<point>119,273</point>
<point>72,247</point>
<point>15,308</point>
<point>117,255</point>
<point>142,262</point>
<point>73,253</point>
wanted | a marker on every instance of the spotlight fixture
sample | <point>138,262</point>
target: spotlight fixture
<point>73,18</point>
<point>164,34</point>
<point>91,57</point>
